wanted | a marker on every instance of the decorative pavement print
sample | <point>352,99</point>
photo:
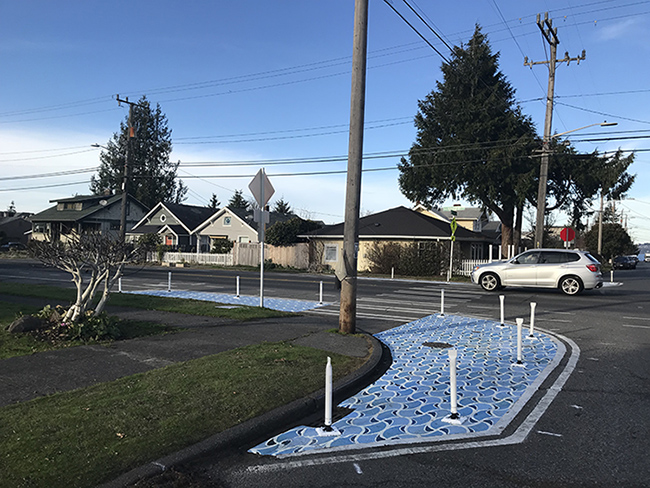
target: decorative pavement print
<point>410,402</point>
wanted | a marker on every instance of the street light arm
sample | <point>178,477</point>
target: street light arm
<point>602,124</point>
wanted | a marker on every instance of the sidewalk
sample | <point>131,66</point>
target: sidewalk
<point>23,378</point>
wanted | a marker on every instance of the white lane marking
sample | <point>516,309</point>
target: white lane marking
<point>637,318</point>
<point>577,407</point>
<point>357,468</point>
<point>517,437</point>
<point>549,433</point>
<point>555,320</point>
<point>637,326</point>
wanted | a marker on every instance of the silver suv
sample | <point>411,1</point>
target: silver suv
<point>569,270</point>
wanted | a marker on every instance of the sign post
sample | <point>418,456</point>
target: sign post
<point>567,234</point>
<point>262,190</point>
<point>454,226</point>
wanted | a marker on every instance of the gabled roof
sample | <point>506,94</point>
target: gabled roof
<point>189,216</point>
<point>70,215</point>
<point>399,223</point>
<point>245,216</point>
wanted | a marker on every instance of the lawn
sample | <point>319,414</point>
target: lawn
<point>84,437</point>
<point>21,344</point>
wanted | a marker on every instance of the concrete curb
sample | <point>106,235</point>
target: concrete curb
<point>265,425</point>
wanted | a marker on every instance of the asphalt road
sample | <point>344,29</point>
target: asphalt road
<point>595,432</point>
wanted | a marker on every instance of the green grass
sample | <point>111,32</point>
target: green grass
<point>12,345</point>
<point>84,437</point>
<point>144,302</point>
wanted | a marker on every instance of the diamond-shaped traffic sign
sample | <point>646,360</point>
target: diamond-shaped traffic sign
<point>261,188</point>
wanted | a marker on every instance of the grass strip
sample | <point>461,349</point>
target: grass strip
<point>84,437</point>
<point>145,302</point>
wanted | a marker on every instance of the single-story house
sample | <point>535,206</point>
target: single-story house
<point>85,214</point>
<point>175,222</point>
<point>401,225</point>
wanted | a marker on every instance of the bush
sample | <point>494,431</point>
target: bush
<point>221,246</point>
<point>413,259</point>
<point>88,328</point>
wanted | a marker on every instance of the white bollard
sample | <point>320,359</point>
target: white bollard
<point>520,323</point>
<point>611,276</point>
<point>169,281</point>
<point>392,273</point>
<point>119,284</point>
<point>328,394</point>
<point>453,354</point>
<point>503,320</point>
<point>532,319</point>
<point>321,293</point>
<point>238,287</point>
<point>499,255</point>
<point>327,430</point>
<point>442,303</point>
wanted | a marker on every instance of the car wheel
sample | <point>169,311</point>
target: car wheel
<point>490,282</point>
<point>571,285</point>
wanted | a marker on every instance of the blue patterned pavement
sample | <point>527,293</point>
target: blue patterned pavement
<point>281,304</point>
<point>410,402</point>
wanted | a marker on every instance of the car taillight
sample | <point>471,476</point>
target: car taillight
<point>592,267</point>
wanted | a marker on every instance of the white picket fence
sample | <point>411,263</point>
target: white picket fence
<point>192,257</point>
<point>467,266</point>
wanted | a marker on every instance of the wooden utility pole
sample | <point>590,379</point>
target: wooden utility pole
<point>348,277</point>
<point>550,34</point>
<point>127,166</point>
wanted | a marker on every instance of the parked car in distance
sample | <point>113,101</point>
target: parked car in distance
<point>647,258</point>
<point>13,246</point>
<point>567,269</point>
<point>624,262</point>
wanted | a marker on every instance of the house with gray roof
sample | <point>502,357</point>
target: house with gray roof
<point>175,222</point>
<point>397,225</point>
<point>85,214</point>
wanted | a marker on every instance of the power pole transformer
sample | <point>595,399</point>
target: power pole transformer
<point>550,34</point>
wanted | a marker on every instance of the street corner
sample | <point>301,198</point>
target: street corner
<point>421,401</point>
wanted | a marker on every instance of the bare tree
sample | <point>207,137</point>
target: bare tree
<point>93,260</point>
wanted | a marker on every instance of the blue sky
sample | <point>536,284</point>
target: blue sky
<point>253,84</point>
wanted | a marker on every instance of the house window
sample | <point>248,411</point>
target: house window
<point>476,251</point>
<point>163,218</point>
<point>331,252</point>
<point>40,228</point>
<point>227,221</point>
<point>244,239</point>
<point>115,225</point>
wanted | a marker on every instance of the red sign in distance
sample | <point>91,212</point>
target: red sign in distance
<point>567,234</point>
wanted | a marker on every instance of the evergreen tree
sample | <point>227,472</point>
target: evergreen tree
<point>472,141</point>
<point>282,207</point>
<point>238,201</point>
<point>152,177</point>
<point>214,202</point>
<point>616,241</point>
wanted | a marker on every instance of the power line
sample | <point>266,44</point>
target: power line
<point>416,31</point>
